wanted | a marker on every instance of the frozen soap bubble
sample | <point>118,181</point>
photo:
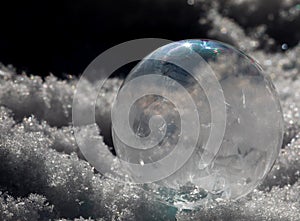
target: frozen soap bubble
<point>197,119</point>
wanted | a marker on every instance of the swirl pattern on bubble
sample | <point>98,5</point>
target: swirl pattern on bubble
<point>200,119</point>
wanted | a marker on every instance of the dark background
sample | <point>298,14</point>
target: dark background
<point>63,37</point>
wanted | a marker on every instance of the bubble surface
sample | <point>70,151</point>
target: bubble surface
<point>199,120</point>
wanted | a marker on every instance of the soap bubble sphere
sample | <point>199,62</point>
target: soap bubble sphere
<point>195,120</point>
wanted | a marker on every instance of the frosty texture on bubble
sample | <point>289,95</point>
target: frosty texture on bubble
<point>254,124</point>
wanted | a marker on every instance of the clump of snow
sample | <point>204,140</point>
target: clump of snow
<point>33,207</point>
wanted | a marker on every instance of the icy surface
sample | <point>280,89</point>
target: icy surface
<point>43,175</point>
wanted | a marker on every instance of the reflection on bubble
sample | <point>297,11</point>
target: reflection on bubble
<point>167,111</point>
